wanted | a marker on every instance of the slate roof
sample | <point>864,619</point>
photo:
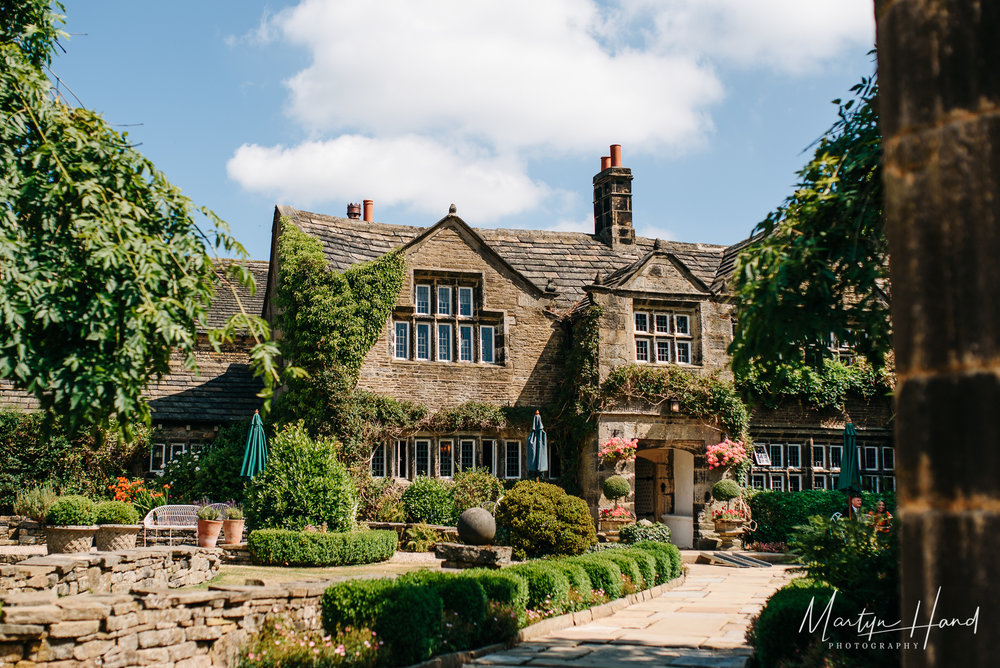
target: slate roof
<point>568,261</point>
<point>224,388</point>
<point>224,303</point>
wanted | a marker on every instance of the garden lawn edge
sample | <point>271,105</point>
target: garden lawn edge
<point>546,626</point>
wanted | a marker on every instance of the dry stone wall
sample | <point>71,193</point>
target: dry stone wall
<point>186,629</point>
<point>114,572</point>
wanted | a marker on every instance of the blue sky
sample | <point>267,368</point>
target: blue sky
<point>503,108</point>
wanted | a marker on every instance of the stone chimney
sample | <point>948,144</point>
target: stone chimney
<point>613,201</point>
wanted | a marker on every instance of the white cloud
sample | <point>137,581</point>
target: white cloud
<point>431,101</point>
<point>410,171</point>
<point>585,225</point>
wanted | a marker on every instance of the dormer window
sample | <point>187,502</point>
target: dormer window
<point>663,336</point>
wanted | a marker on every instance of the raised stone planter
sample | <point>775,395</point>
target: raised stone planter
<point>69,539</point>
<point>456,555</point>
<point>116,537</point>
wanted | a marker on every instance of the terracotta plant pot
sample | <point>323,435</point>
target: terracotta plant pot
<point>61,539</point>
<point>116,537</point>
<point>208,532</point>
<point>233,530</point>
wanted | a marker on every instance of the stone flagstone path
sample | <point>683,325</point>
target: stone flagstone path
<point>701,623</point>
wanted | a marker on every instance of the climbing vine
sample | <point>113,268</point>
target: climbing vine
<point>708,398</point>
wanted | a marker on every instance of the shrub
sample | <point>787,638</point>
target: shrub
<point>575,574</point>
<point>616,487</point>
<point>628,566</point>
<point>548,588</point>
<point>540,519</point>
<point>430,500</point>
<point>775,634</point>
<point>644,530</point>
<point>778,513</point>
<point>115,512</point>
<point>646,564</point>
<point>726,489</point>
<point>666,550</point>
<point>281,547</point>
<point>71,510</point>
<point>420,538</point>
<point>303,484</point>
<point>464,603</point>
<point>503,587</point>
<point>474,488</point>
<point>213,471</point>
<point>604,575</point>
<point>35,502</point>
<point>407,616</point>
<point>378,498</point>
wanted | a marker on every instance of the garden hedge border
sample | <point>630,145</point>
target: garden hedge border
<point>283,547</point>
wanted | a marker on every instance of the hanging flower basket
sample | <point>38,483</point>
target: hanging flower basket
<point>617,449</point>
<point>727,454</point>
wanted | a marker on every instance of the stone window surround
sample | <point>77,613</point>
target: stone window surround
<point>646,348</point>
<point>414,445</point>
<point>430,284</point>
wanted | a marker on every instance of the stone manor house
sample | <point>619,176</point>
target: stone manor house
<point>484,315</point>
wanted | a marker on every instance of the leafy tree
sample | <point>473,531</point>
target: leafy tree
<point>818,264</point>
<point>103,271</point>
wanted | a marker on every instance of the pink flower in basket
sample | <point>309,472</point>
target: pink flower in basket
<point>729,515</point>
<point>616,513</point>
<point>727,453</point>
<point>618,449</point>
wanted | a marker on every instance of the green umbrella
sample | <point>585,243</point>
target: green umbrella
<point>255,454</point>
<point>850,463</point>
<point>538,453</point>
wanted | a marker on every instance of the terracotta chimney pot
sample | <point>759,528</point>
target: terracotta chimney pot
<point>616,155</point>
<point>369,204</point>
<point>605,162</point>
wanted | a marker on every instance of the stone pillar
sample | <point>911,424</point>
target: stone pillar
<point>939,65</point>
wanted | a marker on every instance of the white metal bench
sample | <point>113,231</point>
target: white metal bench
<point>174,517</point>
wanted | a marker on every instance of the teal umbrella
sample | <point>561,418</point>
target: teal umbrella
<point>255,453</point>
<point>538,452</point>
<point>850,463</point>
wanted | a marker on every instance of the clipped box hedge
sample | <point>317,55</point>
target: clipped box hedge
<point>283,547</point>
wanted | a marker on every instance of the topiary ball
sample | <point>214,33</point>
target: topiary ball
<point>73,510</point>
<point>476,526</point>
<point>115,512</point>
<point>616,487</point>
<point>726,490</point>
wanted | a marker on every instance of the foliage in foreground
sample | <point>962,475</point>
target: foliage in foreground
<point>818,261</point>
<point>856,566</point>
<point>303,484</point>
<point>104,272</point>
<point>281,547</point>
<point>540,519</point>
<point>280,644</point>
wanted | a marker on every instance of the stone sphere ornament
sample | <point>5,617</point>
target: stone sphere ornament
<point>476,526</point>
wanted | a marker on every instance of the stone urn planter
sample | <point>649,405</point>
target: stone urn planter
<point>232,532</point>
<point>116,537</point>
<point>728,526</point>
<point>208,532</point>
<point>62,539</point>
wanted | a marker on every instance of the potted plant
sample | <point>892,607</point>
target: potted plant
<point>117,526</point>
<point>70,523</point>
<point>232,526</point>
<point>615,488</point>
<point>728,519</point>
<point>209,526</point>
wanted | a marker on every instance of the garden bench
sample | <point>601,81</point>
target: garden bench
<point>174,517</point>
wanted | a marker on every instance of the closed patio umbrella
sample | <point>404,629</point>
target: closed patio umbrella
<point>255,453</point>
<point>850,464</point>
<point>538,452</point>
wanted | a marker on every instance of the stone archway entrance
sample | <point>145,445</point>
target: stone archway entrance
<point>664,488</point>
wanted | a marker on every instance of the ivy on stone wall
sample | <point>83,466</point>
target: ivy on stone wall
<point>708,398</point>
<point>825,388</point>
